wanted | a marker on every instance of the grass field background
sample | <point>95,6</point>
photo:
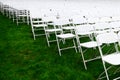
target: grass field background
<point>22,58</point>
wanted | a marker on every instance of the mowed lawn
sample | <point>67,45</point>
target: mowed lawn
<point>22,58</point>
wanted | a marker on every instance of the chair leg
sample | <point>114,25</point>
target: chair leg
<point>23,19</point>
<point>63,41</point>
<point>75,45</point>
<point>28,20</point>
<point>17,20</point>
<point>47,39</point>
<point>58,46</point>
<point>105,70</point>
<point>34,37</point>
<point>33,34</point>
<point>9,14</point>
<point>116,48</point>
<point>80,50</point>
<point>13,17</point>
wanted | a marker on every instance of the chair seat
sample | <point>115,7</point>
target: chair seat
<point>113,58</point>
<point>90,44</point>
<point>50,23</point>
<point>68,28</point>
<point>85,33</point>
<point>65,36</point>
<point>53,30</point>
<point>40,25</point>
<point>38,21</point>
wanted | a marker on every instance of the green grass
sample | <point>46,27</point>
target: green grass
<point>22,58</point>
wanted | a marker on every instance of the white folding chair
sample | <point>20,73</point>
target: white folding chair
<point>38,27</point>
<point>51,29</point>
<point>5,9</point>
<point>13,14</point>
<point>10,10</point>
<point>83,30</point>
<point>110,58</point>
<point>63,36</point>
<point>22,16</point>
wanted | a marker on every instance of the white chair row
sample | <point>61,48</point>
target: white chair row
<point>63,24</point>
<point>23,16</point>
<point>57,28</point>
<point>67,33</point>
<point>18,15</point>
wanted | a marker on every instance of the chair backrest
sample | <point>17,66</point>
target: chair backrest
<point>49,18</point>
<point>23,12</point>
<point>107,38</point>
<point>5,6</point>
<point>102,26</point>
<point>79,20</point>
<point>84,29</point>
<point>116,18</point>
<point>105,19</point>
<point>115,24</point>
<point>93,20</point>
<point>36,21</point>
<point>62,21</point>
